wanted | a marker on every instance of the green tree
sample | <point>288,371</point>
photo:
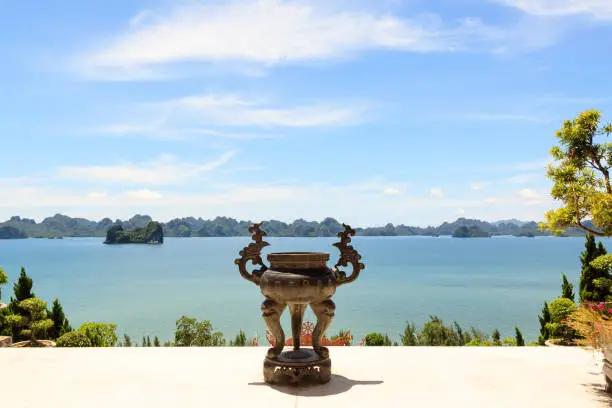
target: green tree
<point>567,289</point>
<point>3,280</point>
<point>520,341</point>
<point>239,341</point>
<point>191,333</point>
<point>544,321</point>
<point>436,333</point>
<point>410,337</point>
<point>590,274</point>
<point>581,176</point>
<point>144,341</point>
<point>156,342</point>
<point>60,322</point>
<point>74,339</point>
<point>496,336</point>
<point>377,339</point>
<point>100,334</point>
<point>22,290</point>
<point>36,324</point>
<point>127,341</point>
<point>560,309</point>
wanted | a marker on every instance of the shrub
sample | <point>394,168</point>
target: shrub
<point>377,339</point>
<point>74,339</point>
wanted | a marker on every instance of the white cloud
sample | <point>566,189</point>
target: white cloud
<point>143,194</point>
<point>436,192</point>
<point>204,115</point>
<point>97,194</point>
<point>598,9</point>
<point>480,185</point>
<point>391,191</point>
<point>271,32</point>
<point>530,196</point>
<point>164,170</point>
<point>230,111</point>
<point>494,200</point>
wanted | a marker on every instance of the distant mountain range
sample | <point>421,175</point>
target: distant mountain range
<point>63,226</point>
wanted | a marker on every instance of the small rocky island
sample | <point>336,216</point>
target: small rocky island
<point>11,233</point>
<point>152,234</point>
<point>470,232</point>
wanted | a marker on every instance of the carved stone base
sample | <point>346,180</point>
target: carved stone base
<point>301,367</point>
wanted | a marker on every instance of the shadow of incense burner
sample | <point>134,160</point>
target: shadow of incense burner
<point>298,279</point>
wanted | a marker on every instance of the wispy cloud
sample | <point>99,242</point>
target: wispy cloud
<point>164,170</point>
<point>436,192</point>
<point>272,32</point>
<point>225,110</point>
<point>598,9</point>
<point>219,116</point>
<point>142,194</point>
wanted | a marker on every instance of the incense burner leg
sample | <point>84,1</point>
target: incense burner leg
<point>325,312</point>
<point>272,312</point>
<point>297,316</point>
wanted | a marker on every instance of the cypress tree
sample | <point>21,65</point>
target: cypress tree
<point>567,289</point>
<point>144,341</point>
<point>544,319</point>
<point>22,290</point>
<point>520,341</point>
<point>496,337</point>
<point>127,341</point>
<point>23,287</point>
<point>60,322</point>
<point>148,341</point>
<point>156,342</point>
<point>588,291</point>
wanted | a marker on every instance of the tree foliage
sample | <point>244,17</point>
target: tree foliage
<point>191,333</point>
<point>567,289</point>
<point>377,339</point>
<point>3,280</point>
<point>99,334</point>
<point>74,339</point>
<point>240,340</point>
<point>520,340</point>
<point>581,176</point>
<point>34,323</point>
<point>22,290</point>
<point>544,321</point>
<point>591,274</point>
<point>61,325</point>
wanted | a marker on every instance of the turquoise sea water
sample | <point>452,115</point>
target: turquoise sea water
<point>487,283</point>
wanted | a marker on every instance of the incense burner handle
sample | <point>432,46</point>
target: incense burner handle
<point>252,252</point>
<point>348,254</point>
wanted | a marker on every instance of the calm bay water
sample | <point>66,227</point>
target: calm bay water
<point>486,283</point>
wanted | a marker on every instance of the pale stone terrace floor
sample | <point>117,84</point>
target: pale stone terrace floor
<point>474,377</point>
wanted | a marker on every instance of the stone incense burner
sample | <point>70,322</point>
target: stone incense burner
<point>298,279</point>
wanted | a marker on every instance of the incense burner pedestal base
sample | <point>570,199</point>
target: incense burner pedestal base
<point>297,367</point>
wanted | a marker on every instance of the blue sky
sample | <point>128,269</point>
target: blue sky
<point>369,111</point>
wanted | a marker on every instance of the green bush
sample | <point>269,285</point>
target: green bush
<point>377,339</point>
<point>74,339</point>
<point>509,342</point>
<point>99,334</point>
<point>560,309</point>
